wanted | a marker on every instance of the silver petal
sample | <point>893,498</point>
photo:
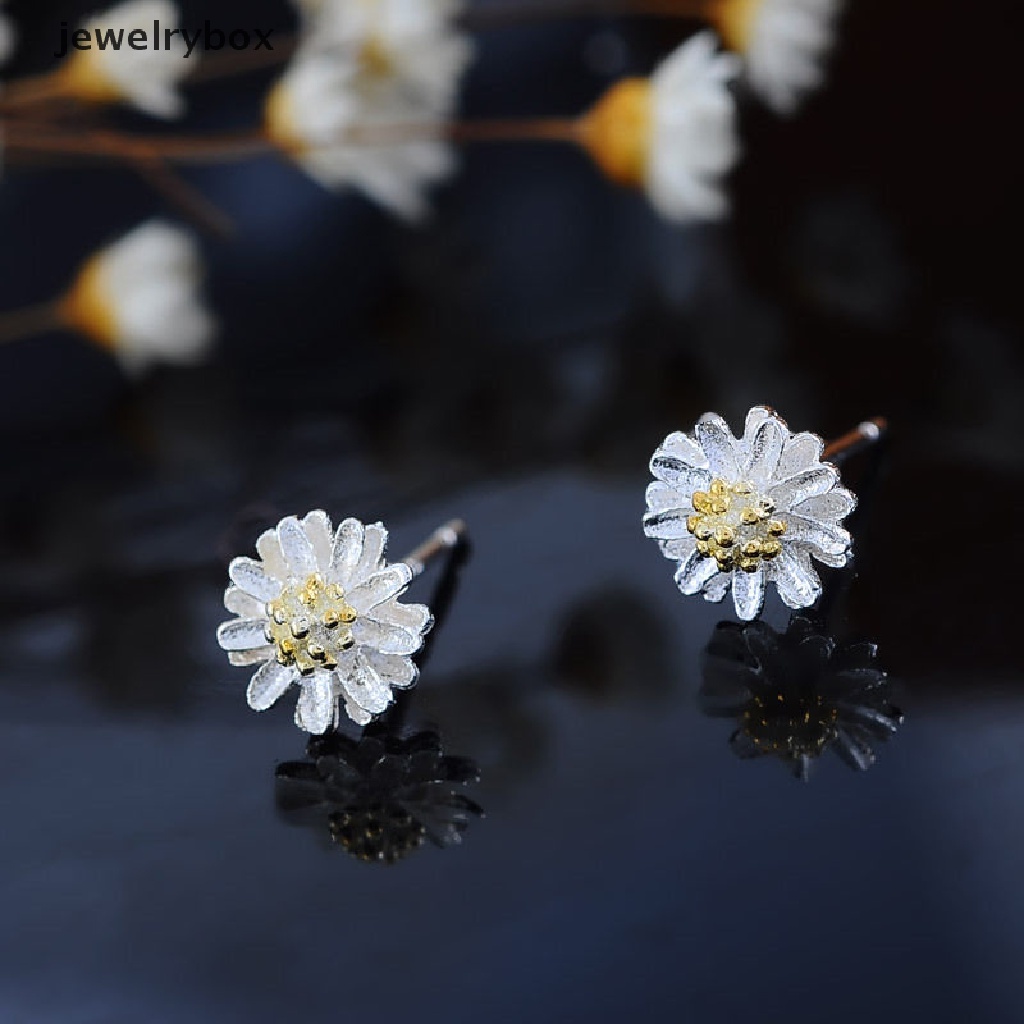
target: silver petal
<point>679,549</point>
<point>269,549</point>
<point>268,683</point>
<point>755,418</point>
<point>380,587</point>
<point>249,575</point>
<point>716,590</point>
<point>361,684</point>
<point>242,634</point>
<point>715,438</point>
<point>661,497</point>
<point>255,656</point>
<point>694,573</point>
<point>803,486</point>
<point>835,505</point>
<point>348,547</point>
<point>315,709</point>
<point>244,605</point>
<point>748,593</point>
<point>802,451</point>
<point>684,448</point>
<point>298,552</point>
<point>826,537</point>
<point>797,582</point>
<point>393,669</point>
<point>667,525</point>
<point>375,541</point>
<point>384,638</point>
<point>765,451</point>
<point>357,714</point>
<point>413,618</point>
<point>678,474</point>
<point>320,532</point>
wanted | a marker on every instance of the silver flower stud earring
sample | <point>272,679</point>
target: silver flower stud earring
<point>740,513</point>
<point>319,609</point>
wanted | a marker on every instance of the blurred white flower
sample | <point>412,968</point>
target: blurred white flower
<point>749,511</point>
<point>319,609</point>
<point>8,36</point>
<point>349,128</point>
<point>673,134</point>
<point>147,79</point>
<point>784,43</point>
<point>413,42</point>
<point>139,298</point>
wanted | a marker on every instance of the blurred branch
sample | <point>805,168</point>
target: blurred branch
<point>26,323</point>
<point>192,204</point>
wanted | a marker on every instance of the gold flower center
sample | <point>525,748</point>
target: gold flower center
<point>791,727</point>
<point>736,526</point>
<point>617,131</point>
<point>310,624</point>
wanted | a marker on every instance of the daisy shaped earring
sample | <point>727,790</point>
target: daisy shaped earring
<point>741,513</point>
<point>319,610</point>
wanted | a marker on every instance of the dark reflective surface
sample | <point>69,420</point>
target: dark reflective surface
<point>515,362</point>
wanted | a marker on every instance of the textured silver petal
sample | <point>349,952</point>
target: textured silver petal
<point>836,561</point>
<point>393,669</point>
<point>716,590</point>
<point>242,634</point>
<point>678,474</point>
<point>803,486</point>
<point>694,573</point>
<point>348,547</point>
<point>835,505</point>
<point>667,525</point>
<point>384,638</point>
<point>826,537</point>
<point>269,549</point>
<point>357,714</point>
<point>255,656</point>
<point>375,542</point>
<point>320,532</point>
<point>715,438</point>
<point>765,450</point>
<point>660,496</point>
<point>315,709</point>
<point>797,582</point>
<point>361,684</point>
<point>414,618</point>
<point>685,448</point>
<point>755,418</point>
<point>250,576</point>
<point>268,683</point>
<point>802,451</point>
<point>298,552</point>
<point>678,549</point>
<point>244,605</point>
<point>748,593</point>
<point>380,587</point>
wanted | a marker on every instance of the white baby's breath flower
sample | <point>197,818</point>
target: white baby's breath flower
<point>673,134</point>
<point>347,128</point>
<point>147,79</point>
<point>746,512</point>
<point>319,610</point>
<point>139,298</point>
<point>784,43</point>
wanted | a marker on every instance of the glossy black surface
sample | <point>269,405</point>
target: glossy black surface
<point>515,362</point>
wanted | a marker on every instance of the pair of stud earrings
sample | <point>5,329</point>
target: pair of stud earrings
<point>320,607</point>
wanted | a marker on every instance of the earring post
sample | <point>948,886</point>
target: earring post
<point>869,432</point>
<point>444,538</point>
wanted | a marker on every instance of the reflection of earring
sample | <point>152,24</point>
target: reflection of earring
<point>380,796</point>
<point>796,694</point>
<point>745,512</point>
<point>320,609</point>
